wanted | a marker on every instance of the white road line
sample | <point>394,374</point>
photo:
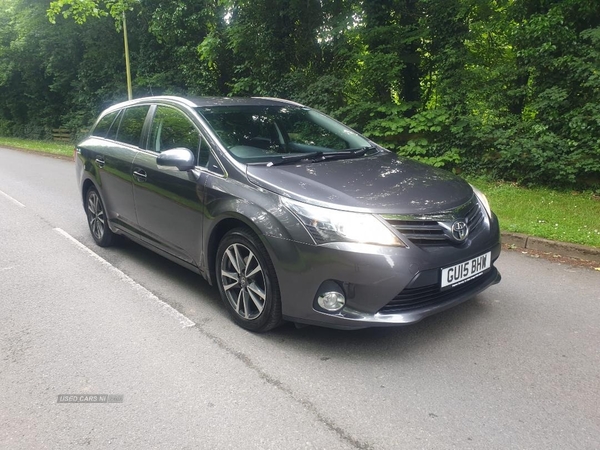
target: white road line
<point>183,320</point>
<point>15,201</point>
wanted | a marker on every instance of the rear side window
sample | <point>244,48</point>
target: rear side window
<point>104,124</point>
<point>130,129</point>
<point>112,133</point>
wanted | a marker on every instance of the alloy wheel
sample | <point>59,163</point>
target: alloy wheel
<point>243,281</point>
<point>96,215</point>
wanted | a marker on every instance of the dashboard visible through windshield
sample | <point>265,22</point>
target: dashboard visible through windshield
<point>271,134</point>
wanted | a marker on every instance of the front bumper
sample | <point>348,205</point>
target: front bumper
<point>374,279</point>
<point>349,318</point>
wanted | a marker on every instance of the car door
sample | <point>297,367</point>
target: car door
<point>168,206</point>
<point>113,157</point>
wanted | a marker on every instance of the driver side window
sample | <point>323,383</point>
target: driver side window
<point>172,129</point>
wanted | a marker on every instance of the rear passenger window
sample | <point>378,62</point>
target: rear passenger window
<point>112,133</point>
<point>130,130</point>
<point>103,126</point>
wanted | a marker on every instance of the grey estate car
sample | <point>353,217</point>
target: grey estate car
<point>291,214</point>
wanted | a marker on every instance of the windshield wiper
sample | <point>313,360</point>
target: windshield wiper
<point>347,154</point>
<point>290,159</point>
<point>323,156</point>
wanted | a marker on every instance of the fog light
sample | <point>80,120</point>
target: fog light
<point>331,301</point>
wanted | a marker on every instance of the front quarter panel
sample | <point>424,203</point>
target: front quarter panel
<point>230,201</point>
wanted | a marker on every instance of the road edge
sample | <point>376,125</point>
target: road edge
<point>518,240</point>
<point>514,240</point>
<point>39,152</point>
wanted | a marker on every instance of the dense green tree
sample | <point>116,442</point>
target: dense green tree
<point>188,36</point>
<point>506,87</point>
<point>35,69</point>
<point>539,94</point>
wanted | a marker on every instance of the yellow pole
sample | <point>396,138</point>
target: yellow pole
<point>127,68</point>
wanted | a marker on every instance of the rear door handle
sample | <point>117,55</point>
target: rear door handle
<point>100,161</point>
<point>140,175</point>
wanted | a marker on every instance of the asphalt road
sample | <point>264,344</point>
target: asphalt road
<point>515,368</point>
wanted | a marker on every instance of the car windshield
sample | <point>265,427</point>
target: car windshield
<point>276,134</point>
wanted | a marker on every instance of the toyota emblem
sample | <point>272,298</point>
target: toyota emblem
<point>460,230</point>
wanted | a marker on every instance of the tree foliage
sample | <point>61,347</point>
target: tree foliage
<point>510,88</point>
<point>81,10</point>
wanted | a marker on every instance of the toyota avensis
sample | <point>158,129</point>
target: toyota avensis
<point>293,215</point>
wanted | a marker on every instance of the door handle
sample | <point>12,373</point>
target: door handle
<point>140,175</point>
<point>100,161</point>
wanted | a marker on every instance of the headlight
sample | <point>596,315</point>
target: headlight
<point>483,200</point>
<point>331,225</point>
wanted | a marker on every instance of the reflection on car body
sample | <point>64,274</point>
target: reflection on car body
<point>290,213</point>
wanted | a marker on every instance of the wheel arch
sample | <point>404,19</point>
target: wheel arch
<point>85,187</point>
<point>88,183</point>
<point>268,222</point>
<point>216,235</point>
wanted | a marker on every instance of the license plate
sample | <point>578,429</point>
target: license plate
<point>466,271</point>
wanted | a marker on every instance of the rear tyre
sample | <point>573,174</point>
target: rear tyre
<point>247,281</point>
<point>97,219</point>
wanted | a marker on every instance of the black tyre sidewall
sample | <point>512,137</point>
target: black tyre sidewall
<point>271,315</point>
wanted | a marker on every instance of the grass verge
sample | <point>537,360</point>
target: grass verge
<point>53,148</point>
<point>561,216</point>
<point>557,215</point>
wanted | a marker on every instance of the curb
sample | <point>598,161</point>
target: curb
<point>544,245</point>
<point>516,240</point>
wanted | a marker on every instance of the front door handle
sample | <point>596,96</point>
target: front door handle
<point>100,161</point>
<point>140,175</point>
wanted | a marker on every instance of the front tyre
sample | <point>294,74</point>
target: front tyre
<point>247,281</point>
<point>97,219</point>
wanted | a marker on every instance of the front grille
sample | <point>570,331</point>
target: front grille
<point>421,232</point>
<point>430,295</point>
<point>434,229</point>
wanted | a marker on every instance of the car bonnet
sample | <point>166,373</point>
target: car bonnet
<point>382,183</point>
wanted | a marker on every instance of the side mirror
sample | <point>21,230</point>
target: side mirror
<point>177,158</point>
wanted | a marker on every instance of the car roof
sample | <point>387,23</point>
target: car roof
<point>200,102</point>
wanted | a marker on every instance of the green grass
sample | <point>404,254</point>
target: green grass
<point>54,148</point>
<point>561,216</point>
